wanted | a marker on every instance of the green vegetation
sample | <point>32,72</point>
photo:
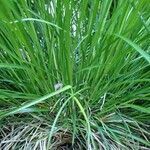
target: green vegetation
<point>74,73</point>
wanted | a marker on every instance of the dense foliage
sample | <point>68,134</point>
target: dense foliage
<point>80,65</point>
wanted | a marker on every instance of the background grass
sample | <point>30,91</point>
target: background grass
<point>81,66</point>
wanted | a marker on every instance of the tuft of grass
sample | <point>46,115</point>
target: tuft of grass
<point>81,66</point>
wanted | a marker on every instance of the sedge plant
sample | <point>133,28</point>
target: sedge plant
<point>77,68</point>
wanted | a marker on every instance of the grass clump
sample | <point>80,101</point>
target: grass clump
<point>74,74</point>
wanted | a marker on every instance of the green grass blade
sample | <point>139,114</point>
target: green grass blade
<point>136,47</point>
<point>36,101</point>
